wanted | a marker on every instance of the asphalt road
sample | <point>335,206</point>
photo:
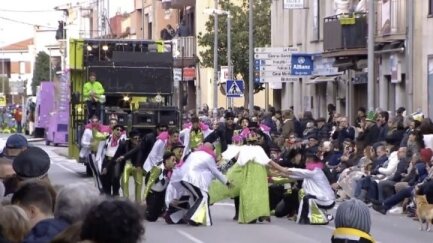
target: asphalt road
<point>390,228</point>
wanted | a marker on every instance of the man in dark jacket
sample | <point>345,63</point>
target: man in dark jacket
<point>344,131</point>
<point>370,133</point>
<point>133,158</point>
<point>224,132</point>
<point>36,200</point>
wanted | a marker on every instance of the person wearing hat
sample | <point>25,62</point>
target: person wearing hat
<point>352,223</point>
<point>93,93</point>
<point>313,144</point>
<point>317,192</point>
<point>31,164</point>
<point>108,153</point>
<point>157,181</point>
<point>15,144</point>
<point>368,133</point>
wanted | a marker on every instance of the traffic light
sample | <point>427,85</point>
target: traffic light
<point>61,32</point>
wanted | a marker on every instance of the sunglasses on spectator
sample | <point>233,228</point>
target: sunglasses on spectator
<point>136,138</point>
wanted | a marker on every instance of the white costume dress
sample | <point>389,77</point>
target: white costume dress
<point>198,171</point>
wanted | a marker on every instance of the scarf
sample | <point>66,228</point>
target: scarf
<point>114,141</point>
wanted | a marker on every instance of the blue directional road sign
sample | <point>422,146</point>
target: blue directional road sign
<point>234,88</point>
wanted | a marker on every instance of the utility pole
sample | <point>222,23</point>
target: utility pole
<point>142,18</point>
<point>371,73</point>
<point>215,59</point>
<point>409,56</point>
<point>251,57</point>
<point>229,52</point>
<point>3,73</point>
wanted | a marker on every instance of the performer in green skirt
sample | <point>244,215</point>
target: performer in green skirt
<point>249,181</point>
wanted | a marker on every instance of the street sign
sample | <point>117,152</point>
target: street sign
<point>302,64</point>
<point>275,49</point>
<point>279,68</point>
<point>272,62</point>
<point>283,79</point>
<point>273,55</point>
<point>234,88</point>
<point>281,64</point>
<point>293,4</point>
<point>275,74</point>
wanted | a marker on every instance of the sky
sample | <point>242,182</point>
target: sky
<point>17,17</point>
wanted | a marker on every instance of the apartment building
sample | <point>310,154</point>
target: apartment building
<point>17,61</point>
<point>340,44</point>
<point>152,16</point>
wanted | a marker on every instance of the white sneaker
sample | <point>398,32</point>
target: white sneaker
<point>396,210</point>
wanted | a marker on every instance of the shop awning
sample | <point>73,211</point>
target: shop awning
<point>323,79</point>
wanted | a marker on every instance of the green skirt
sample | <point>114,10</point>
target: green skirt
<point>250,184</point>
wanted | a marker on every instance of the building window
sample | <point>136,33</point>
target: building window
<point>430,84</point>
<point>430,8</point>
<point>22,67</point>
<point>316,20</point>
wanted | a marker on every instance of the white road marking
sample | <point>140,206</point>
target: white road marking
<point>64,167</point>
<point>189,236</point>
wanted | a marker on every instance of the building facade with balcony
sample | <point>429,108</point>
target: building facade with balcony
<point>200,89</point>
<point>306,30</point>
<point>342,40</point>
<point>423,57</point>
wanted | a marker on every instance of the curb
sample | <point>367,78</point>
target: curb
<point>35,139</point>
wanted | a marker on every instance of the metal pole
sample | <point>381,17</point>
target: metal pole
<point>142,18</point>
<point>409,56</point>
<point>229,52</point>
<point>3,73</point>
<point>215,59</point>
<point>251,57</point>
<point>371,27</point>
<point>51,66</point>
<point>181,82</point>
<point>266,96</point>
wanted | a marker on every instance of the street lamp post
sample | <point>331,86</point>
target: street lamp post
<point>251,57</point>
<point>215,59</point>
<point>217,12</point>
<point>229,52</point>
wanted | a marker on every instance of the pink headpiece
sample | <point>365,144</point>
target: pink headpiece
<point>163,136</point>
<point>237,138</point>
<point>265,128</point>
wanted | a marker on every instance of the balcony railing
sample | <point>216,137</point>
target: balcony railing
<point>184,47</point>
<point>344,32</point>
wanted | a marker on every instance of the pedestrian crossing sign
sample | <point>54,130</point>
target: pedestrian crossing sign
<point>234,88</point>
